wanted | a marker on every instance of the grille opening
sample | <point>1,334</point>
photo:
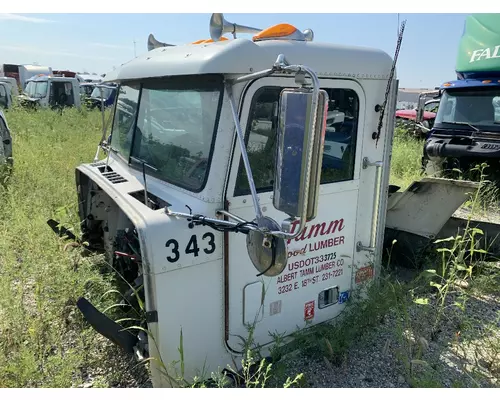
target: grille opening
<point>113,177</point>
<point>104,169</point>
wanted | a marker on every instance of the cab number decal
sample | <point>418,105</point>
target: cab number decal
<point>208,244</point>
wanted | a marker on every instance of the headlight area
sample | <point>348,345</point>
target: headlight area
<point>107,230</point>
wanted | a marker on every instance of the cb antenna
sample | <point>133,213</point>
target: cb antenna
<point>397,33</point>
<point>376,135</point>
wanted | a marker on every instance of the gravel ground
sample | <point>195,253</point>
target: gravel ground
<point>397,353</point>
<point>492,216</point>
<point>119,370</point>
<point>378,359</point>
<point>448,359</point>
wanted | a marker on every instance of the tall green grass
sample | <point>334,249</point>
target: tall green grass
<point>406,159</point>
<point>44,341</point>
<point>39,281</point>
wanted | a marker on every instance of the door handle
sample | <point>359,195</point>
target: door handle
<point>376,202</point>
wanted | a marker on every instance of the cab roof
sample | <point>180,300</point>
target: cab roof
<point>44,78</point>
<point>470,83</point>
<point>243,56</point>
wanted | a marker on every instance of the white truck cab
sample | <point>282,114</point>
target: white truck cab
<point>51,91</point>
<point>220,200</point>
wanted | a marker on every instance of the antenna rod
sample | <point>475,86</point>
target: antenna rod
<point>135,54</point>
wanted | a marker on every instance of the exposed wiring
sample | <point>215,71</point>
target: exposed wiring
<point>273,259</point>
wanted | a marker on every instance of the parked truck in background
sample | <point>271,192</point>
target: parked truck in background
<point>420,119</point>
<point>21,73</point>
<point>466,130</point>
<point>14,89</point>
<point>10,71</point>
<point>5,95</point>
<point>51,91</point>
<point>64,73</point>
<point>89,78</point>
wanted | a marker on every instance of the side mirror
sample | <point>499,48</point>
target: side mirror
<point>300,128</point>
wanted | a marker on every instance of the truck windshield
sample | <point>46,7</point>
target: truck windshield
<point>36,89</point>
<point>479,108</point>
<point>86,89</point>
<point>96,93</point>
<point>175,128</point>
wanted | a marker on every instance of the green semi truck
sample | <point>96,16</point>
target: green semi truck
<point>466,130</point>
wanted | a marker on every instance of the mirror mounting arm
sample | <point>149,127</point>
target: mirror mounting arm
<point>280,65</point>
<point>215,223</point>
<point>228,214</point>
<point>244,154</point>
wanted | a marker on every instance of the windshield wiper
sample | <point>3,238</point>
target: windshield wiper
<point>144,165</point>
<point>464,123</point>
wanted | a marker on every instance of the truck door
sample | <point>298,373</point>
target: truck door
<point>316,282</point>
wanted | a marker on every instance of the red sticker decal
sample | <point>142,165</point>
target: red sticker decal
<point>309,310</point>
<point>363,274</point>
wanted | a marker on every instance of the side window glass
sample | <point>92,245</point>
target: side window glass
<point>124,119</point>
<point>431,107</point>
<point>260,137</point>
<point>339,147</point>
<point>496,106</point>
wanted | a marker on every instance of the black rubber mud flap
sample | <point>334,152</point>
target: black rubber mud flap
<point>106,326</point>
<point>60,230</point>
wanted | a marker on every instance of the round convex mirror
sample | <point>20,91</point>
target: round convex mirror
<point>269,261</point>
